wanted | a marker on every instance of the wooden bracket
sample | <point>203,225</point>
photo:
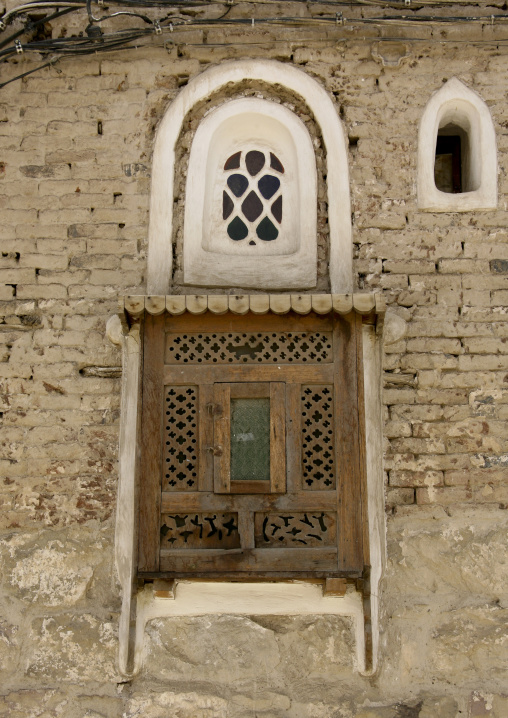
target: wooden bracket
<point>164,588</point>
<point>335,587</point>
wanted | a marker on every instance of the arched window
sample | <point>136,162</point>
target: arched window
<point>250,202</point>
<point>285,261</point>
<point>457,165</point>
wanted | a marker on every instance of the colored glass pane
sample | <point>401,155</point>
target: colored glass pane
<point>250,439</point>
<point>252,206</point>
<point>233,162</point>
<point>227,205</point>
<point>238,184</point>
<point>254,161</point>
<point>277,209</point>
<point>276,164</point>
<point>237,229</point>
<point>266,230</point>
<point>268,185</point>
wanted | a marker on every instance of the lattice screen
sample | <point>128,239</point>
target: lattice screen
<point>318,451</point>
<point>180,438</point>
<point>255,348</point>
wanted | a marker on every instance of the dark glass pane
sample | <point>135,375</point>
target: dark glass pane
<point>266,230</point>
<point>255,162</point>
<point>237,229</point>
<point>275,163</point>
<point>233,162</point>
<point>277,209</point>
<point>252,206</point>
<point>250,439</point>
<point>227,205</point>
<point>447,167</point>
<point>268,186</point>
<point>238,184</point>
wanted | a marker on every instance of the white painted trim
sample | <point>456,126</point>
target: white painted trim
<point>456,103</point>
<point>194,598</point>
<point>210,258</point>
<point>125,528</point>
<point>201,87</point>
<point>372,363</point>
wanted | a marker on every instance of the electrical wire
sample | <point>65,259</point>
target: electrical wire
<point>93,40</point>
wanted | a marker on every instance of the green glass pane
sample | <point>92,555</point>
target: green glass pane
<point>250,439</point>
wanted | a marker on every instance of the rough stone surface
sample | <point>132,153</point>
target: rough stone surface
<point>73,238</point>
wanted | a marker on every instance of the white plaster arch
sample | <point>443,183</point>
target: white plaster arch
<point>456,104</point>
<point>210,257</point>
<point>201,87</point>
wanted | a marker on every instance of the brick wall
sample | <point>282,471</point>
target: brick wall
<point>76,145</point>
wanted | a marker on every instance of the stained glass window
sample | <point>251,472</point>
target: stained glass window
<point>253,196</point>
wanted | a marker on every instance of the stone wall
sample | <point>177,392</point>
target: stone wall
<point>76,144</point>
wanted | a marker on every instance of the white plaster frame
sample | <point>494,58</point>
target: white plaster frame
<point>126,519</point>
<point>210,258</point>
<point>193,598</point>
<point>197,90</point>
<point>455,103</point>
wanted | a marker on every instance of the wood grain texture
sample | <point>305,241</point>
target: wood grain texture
<point>313,575</point>
<point>246,529</point>
<point>259,303</point>
<point>175,304</point>
<point>230,322</point>
<point>301,303</point>
<point>277,437</point>
<point>308,373</point>
<point>151,443</point>
<point>335,587</point>
<point>205,438</point>
<point>201,501</point>
<point>155,305</point>
<point>222,440</point>
<point>349,497</point>
<point>293,438</point>
<point>249,487</point>
<point>256,390</point>
<point>270,559</point>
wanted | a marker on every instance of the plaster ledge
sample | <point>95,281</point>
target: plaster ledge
<point>194,598</point>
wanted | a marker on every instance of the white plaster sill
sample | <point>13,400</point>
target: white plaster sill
<point>195,598</point>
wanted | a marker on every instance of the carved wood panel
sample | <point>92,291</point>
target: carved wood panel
<point>249,348</point>
<point>199,530</point>
<point>309,529</point>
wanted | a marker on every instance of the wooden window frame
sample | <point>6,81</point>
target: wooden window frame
<point>348,503</point>
<point>223,393</point>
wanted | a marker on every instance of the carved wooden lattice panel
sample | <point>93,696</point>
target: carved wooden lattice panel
<point>199,530</point>
<point>318,451</point>
<point>180,465</point>
<point>295,529</point>
<point>258,347</point>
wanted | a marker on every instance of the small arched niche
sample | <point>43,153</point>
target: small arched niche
<point>251,199</point>
<point>457,164</point>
